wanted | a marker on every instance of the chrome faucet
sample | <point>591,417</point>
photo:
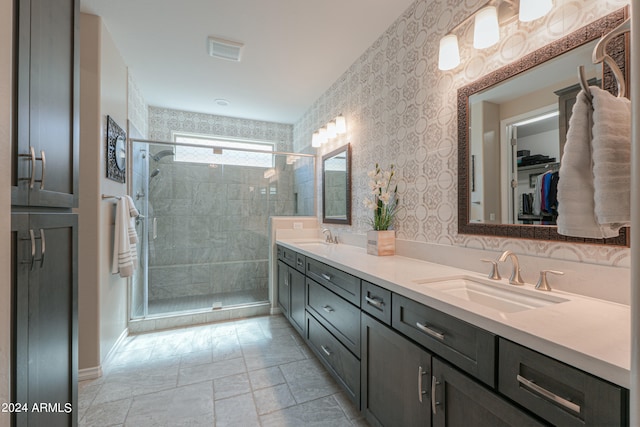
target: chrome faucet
<point>515,278</point>
<point>329,237</point>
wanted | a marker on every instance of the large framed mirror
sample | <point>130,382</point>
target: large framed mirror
<point>512,127</point>
<point>336,186</point>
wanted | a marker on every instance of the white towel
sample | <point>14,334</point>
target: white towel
<point>592,194</point>
<point>611,151</point>
<point>125,256</point>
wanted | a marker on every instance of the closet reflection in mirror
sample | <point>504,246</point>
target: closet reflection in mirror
<point>517,132</point>
<point>336,186</point>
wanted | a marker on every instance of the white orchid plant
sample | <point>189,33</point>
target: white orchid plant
<point>385,198</point>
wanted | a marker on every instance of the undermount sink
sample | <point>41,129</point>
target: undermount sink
<point>313,245</point>
<point>497,296</point>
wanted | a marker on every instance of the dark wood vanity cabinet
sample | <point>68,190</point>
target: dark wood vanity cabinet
<point>404,363</point>
<point>291,289</point>
<point>45,147</point>
<point>44,188</point>
<point>396,378</point>
<point>45,329</point>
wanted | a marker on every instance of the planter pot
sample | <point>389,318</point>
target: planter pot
<point>381,243</point>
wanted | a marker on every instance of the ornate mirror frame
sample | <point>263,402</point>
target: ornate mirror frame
<point>618,48</point>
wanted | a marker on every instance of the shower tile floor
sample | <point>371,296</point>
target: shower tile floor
<point>250,372</point>
<point>205,302</point>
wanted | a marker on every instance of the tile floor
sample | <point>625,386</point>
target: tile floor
<point>251,372</point>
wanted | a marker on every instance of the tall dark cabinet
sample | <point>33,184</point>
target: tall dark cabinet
<point>44,189</point>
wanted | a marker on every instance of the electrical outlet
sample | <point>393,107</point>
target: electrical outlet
<point>492,217</point>
<point>297,226</point>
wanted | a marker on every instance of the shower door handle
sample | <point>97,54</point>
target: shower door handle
<point>155,228</point>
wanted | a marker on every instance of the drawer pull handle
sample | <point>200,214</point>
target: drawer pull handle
<point>326,350</point>
<point>374,302</point>
<point>300,263</point>
<point>549,395</point>
<point>430,331</point>
<point>421,392</point>
<point>434,404</point>
<point>328,309</point>
<point>326,276</point>
<point>44,169</point>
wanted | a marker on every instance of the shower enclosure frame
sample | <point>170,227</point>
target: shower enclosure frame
<point>145,249</point>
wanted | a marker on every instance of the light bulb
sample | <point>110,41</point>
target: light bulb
<point>341,125</point>
<point>530,10</point>
<point>449,56</point>
<point>486,32</point>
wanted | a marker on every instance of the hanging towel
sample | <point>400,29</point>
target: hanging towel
<point>611,151</point>
<point>595,170</point>
<point>125,256</point>
<point>576,205</point>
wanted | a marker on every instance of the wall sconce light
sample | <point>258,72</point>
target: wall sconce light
<point>486,31</point>
<point>449,57</point>
<point>335,127</point>
<point>487,21</point>
<point>530,10</point>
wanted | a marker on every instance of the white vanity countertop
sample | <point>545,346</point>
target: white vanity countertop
<point>590,334</point>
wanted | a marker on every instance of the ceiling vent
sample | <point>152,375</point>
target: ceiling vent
<point>225,49</point>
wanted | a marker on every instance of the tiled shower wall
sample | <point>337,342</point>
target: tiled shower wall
<point>212,222</point>
<point>401,109</point>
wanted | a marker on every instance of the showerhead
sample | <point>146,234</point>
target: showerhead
<point>161,154</point>
<point>154,174</point>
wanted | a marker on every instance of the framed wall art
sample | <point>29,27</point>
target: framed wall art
<point>116,151</point>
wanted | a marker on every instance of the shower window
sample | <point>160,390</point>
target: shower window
<point>218,156</point>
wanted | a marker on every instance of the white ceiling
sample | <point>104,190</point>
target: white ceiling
<point>294,50</point>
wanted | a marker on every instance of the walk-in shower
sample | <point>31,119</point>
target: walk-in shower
<point>204,236</point>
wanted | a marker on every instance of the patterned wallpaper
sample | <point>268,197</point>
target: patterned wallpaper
<point>401,109</point>
<point>162,121</point>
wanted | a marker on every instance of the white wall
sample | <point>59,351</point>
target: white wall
<point>6,40</point>
<point>103,297</point>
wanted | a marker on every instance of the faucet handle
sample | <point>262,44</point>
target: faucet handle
<point>495,273</point>
<point>543,284</point>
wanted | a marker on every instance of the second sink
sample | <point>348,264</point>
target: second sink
<point>499,297</point>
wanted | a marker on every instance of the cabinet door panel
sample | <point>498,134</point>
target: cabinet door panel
<point>45,317</point>
<point>47,104</point>
<point>458,400</point>
<point>283,287</point>
<point>396,378</point>
<point>297,300</point>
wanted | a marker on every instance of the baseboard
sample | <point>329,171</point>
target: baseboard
<point>90,373</point>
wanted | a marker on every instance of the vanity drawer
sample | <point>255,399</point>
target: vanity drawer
<point>559,393</point>
<point>376,301</point>
<point>469,348</point>
<point>343,284</point>
<point>287,255</point>
<point>300,263</point>
<point>343,365</point>
<point>340,317</point>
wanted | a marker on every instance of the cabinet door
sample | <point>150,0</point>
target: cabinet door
<point>46,128</point>
<point>45,318</point>
<point>283,288</point>
<point>396,378</point>
<point>297,305</point>
<point>459,401</point>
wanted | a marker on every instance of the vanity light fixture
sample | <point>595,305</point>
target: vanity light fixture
<point>530,10</point>
<point>315,139</point>
<point>341,125</point>
<point>486,31</point>
<point>487,21</point>
<point>331,130</point>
